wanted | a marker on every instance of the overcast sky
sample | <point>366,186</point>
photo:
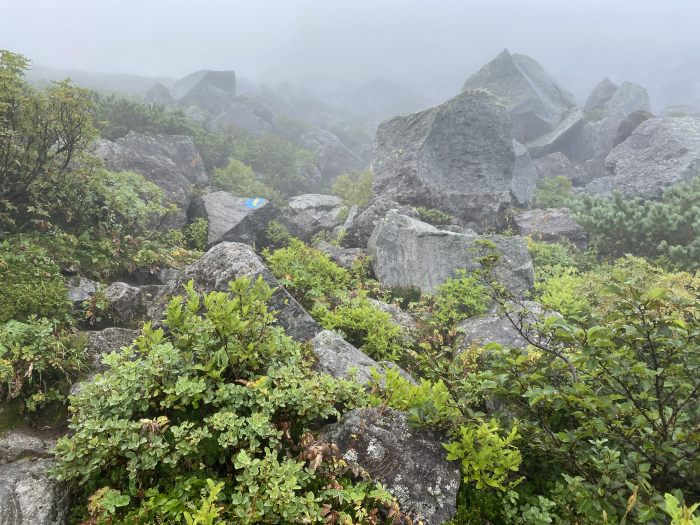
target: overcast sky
<point>428,44</point>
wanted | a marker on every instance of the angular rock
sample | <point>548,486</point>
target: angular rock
<point>600,96</point>
<point>536,103</point>
<point>525,175</point>
<point>22,443</point>
<point>246,113</point>
<point>332,156</point>
<point>631,123</point>
<point>398,316</point>
<point>661,152</point>
<point>407,253</point>
<point>560,139</point>
<point>159,95</point>
<point>359,231</point>
<point>126,304</point>
<point>230,218</point>
<point>550,225</point>
<point>410,462</point>
<point>338,358</point>
<point>344,257</point>
<point>107,341</point>
<point>170,161</point>
<point>214,92</point>
<point>80,289</point>
<point>457,157</point>
<point>559,165</point>
<point>224,263</point>
<point>312,213</point>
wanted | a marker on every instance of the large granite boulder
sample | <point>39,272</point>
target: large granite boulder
<point>410,462</point>
<point>107,341</point>
<point>525,175</point>
<point>457,157</point>
<point>127,305</point>
<point>599,97</point>
<point>407,253</point>
<point>631,123</point>
<point>550,225</point>
<point>313,213</point>
<point>359,230</point>
<point>229,218</point>
<point>159,95</point>
<point>246,113</point>
<point>332,156</point>
<point>338,358</point>
<point>224,263</point>
<point>560,138</point>
<point>661,152</point>
<point>213,92</point>
<point>170,161</point>
<point>28,496</point>
<point>559,165</point>
<point>536,103</point>
<point>344,257</point>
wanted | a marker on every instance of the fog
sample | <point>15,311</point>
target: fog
<point>431,47</point>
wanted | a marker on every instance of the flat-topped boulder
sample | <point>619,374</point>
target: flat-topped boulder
<point>410,254</point>
<point>551,225</point>
<point>309,214</point>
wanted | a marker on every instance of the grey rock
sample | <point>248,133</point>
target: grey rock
<point>410,462</point>
<point>80,289</point>
<point>230,218</point>
<point>166,275</point>
<point>338,358</point>
<point>312,213</point>
<point>631,123</point>
<point>159,95</point>
<point>602,186</point>
<point>661,152</point>
<point>246,113</point>
<point>561,139</point>
<point>559,165</point>
<point>358,232</point>
<point>224,263</point>
<point>126,304</point>
<point>214,92</point>
<point>600,96</point>
<point>535,102</point>
<point>107,341</point>
<point>550,225</point>
<point>344,257</point>
<point>457,157</point>
<point>681,110</point>
<point>398,316</point>
<point>170,161</point>
<point>332,156</point>
<point>407,253</point>
<point>525,175</point>
<point>390,365</point>
<point>22,443</point>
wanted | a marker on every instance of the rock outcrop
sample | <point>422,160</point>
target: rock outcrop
<point>313,213</point>
<point>559,165</point>
<point>631,123</point>
<point>170,161</point>
<point>410,462</point>
<point>536,103</point>
<point>600,96</point>
<point>338,358</point>
<point>332,156</point>
<point>457,157</point>
<point>358,232</point>
<point>127,305</point>
<point>550,225</point>
<point>407,253</point>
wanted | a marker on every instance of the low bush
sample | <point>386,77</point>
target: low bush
<point>354,188</point>
<point>553,192</point>
<point>433,216</point>
<point>239,179</point>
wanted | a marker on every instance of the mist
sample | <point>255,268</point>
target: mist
<point>325,46</point>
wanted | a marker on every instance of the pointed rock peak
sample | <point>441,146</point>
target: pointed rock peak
<point>601,94</point>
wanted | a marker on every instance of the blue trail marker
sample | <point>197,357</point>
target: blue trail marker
<point>254,203</point>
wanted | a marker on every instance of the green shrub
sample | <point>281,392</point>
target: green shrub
<point>38,364</point>
<point>308,273</point>
<point>548,254</point>
<point>197,233</point>
<point>32,282</point>
<point>666,231</point>
<point>433,216</point>
<point>277,234</point>
<point>457,299</point>
<point>221,405</point>
<point>553,192</point>
<point>239,179</point>
<point>354,188</point>
<point>562,290</point>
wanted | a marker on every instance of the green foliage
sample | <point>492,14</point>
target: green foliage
<point>277,234</point>
<point>308,273</point>
<point>239,179</point>
<point>32,282</point>
<point>433,216</point>
<point>680,514</point>
<point>219,407</point>
<point>354,188</point>
<point>550,254</point>
<point>456,299</point>
<point>553,192</point>
<point>38,363</point>
<point>561,290</point>
<point>665,231</point>
<point>197,233</point>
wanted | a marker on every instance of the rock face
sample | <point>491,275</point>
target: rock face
<point>245,113</point>
<point>230,218</point>
<point>536,103</point>
<point>170,161</point>
<point>126,304</point>
<point>600,96</point>
<point>360,229</point>
<point>214,92</point>
<point>631,123</point>
<point>457,157</point>
<point>338,358</point>
<point>224,263</point>
<point>525,175</point>
<point>559,165</point>
<point>159,95</point>
<point>659,153</point>
<point>407,253</point>
<point>107,341</point>
<point>80,289</point>
<point>345,257</point>
<point>550,225</point>
<point>312,213</point>
<point>27,495</point>
<point>409,462</point>
<point>332,156</point>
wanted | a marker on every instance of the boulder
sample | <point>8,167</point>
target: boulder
<point>661,152</point>
<point>398,316</point>
<point>457,157</point>
<point>410,254</point>
<point>550,225</point>
<point>159,95</point>
<point>410,462</point>
<point>80,289</point>
<point>170,161</point>
<point>536,103</point>
<point>600,96</point>
<point>332,156</point>
<point>312,213</point>
<point>246,113</point>
<point>559,165</point>
<point>230,218</point>
<point>338,358</point>
<point>631,123</point>
<point>107,341</point>
<point>358,232</point>
<point>560,139</point>
<point>344,257</point>
<point>213,92</point>
<point>224,263</point>
<point>525,175</point>
<point>126,304</point>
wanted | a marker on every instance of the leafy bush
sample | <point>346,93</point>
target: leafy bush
<point>354,188</point>
<point>433,216</point>
<point>277,234</point>
<point>32,282</point>
<point>549,254</point>
<point>197,233</point>
<point>562,291</point>
<point>222,403</point>
<point>239,179</point>
<point>38,364</point>
<point>457,299</point>
<point>666,231</point>
<point>553,192</point>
